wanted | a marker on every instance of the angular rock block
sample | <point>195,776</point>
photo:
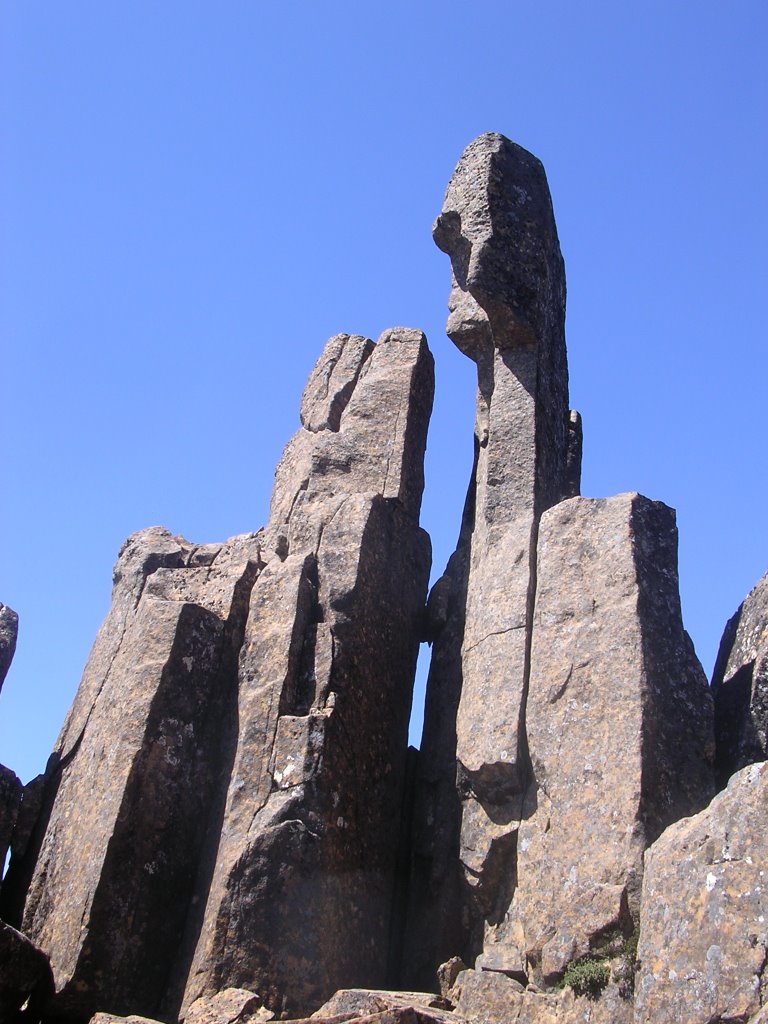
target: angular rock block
<point>740,686</point>
<point>112,865</point>
<point>312,816</point>
<point>619,727</point>
<point>704,923</point>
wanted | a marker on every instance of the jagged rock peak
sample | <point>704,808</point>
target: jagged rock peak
<point>9,628</point>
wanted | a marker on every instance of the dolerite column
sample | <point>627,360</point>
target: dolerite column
<point>619,725</point>
<point>110,867</point>
<point>507,309</point>
<point>301,899</point>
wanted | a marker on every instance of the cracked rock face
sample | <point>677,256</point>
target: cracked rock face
<point>703,929</point>
<point>740,686</point>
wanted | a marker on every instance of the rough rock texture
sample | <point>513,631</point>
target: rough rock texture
<point>506,312</point>
<point>9,628</point>
<point>10,802</point>
<point>24,974</point>
<point>311,822</point>
<point>619,726</point>
<point>230,1006</point>
<point>111,865</point>
<point>740,686</point>
<point>350,1004</point>
<point>703,929</point>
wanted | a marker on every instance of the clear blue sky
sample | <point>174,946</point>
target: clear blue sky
<point>196,195</point>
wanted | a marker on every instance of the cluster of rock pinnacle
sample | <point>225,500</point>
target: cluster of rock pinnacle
<point>232,827</point>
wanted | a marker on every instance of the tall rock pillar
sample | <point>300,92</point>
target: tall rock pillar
<point>301,898</point>
<point>506,312</point>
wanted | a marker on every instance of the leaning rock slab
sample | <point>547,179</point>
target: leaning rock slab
<point>704,923</point>
<point>619,725</point>
<point>112,863</point>
<point>740,686</point>
<point>10,802</point>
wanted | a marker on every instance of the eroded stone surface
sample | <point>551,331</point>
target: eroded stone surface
<point>619,726</point>
<point>10,802</point>
<point>740,686</point>
<point>703,929</point>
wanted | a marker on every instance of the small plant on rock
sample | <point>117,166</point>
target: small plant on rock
<point>587,976</point>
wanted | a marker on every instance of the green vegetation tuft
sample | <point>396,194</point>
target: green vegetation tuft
<point>587,976</point>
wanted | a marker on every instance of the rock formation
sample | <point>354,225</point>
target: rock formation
<point>10,786</point>
<point>231,828</point>
<point>537,719</point>
<point>740,686</point>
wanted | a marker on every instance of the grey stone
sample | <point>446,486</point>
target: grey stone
<point>740,686</point>
<point>703,933</point>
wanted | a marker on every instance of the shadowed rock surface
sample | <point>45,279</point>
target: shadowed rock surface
<point>740,686</point>
<point>111,867</point>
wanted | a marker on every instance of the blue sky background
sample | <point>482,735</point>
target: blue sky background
<point>196,195</point>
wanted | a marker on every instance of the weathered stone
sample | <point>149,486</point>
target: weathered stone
<point>703,930</point>
<point>619,726</point>
<point>10,802</point>
<point>333,380</point>
<point>111,1018</point>
<point>351,1004</point>
<point>113,860</point>
<point>25,974</point>
<point>506,312</point>
<point>9,628</point>
<point>230,1006</point>
<point>312,815</point>
<point>740,686</point>
<point>448,972</point>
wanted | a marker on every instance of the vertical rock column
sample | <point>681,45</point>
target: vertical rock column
<point>619,726</point>
<point>10,786</point>
<point>300,902</point>
<point>108,872</point>
<point>507,309</point>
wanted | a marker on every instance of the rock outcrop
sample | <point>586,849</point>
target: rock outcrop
<point>10,786</point>
<point>704,924</point>
<point>553,753</point>
<point>231,827</point>
<point>740,686</point>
